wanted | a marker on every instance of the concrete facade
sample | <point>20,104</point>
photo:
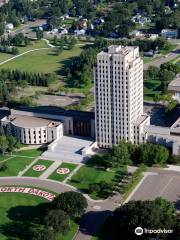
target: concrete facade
<point>32,130</point>
<point>118,77</point>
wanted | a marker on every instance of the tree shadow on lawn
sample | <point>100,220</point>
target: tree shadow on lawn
<point>64,64</point>
<point>16,230</point>
<point>28,213</point>
<point>23,218</point>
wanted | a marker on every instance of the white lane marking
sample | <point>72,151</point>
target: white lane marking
<point>165,187</point>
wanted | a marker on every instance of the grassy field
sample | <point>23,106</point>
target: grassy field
<point>33,45</point>
<point>16,207</point>
<point>29,153</point>
<point>15,165</point>
<point>32,173</point>
<point>172,48</point>
<point>17,214</point>
<point>4,157</point>
<point>151,89</point>
<point>61,177</point>
<point>89,174</point>
<point>44,61</point>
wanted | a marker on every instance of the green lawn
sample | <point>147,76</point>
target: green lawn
<point>43,61</point>
<point>34,45</point>
<point>32,173</point>
<point>18,213</point>
<point>15,165</point>
<point>90,174</point>
<point>61,177</point>
<point>16,209</point>
<point>29,153</point>
<point>71,233</point>
<point>151,88</point>
<point>4,157</point>
<point>172,48</point>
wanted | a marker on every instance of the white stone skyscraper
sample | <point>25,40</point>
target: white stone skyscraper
<point>118,78</point>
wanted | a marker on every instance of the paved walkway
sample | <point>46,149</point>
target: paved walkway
<point>21,173</point>
<point>50,170</point>
<point>72,173</point>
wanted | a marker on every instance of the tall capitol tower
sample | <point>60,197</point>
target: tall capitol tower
<point>118,78</point>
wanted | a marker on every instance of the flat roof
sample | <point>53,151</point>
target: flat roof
<point>141,119</point>
<point>28,121</point>
<point>174,85</point>
<point>77,115</point>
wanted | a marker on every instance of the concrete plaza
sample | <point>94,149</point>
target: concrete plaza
<point>68,149</point>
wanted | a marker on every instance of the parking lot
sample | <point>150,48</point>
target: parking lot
<point>163,184</point>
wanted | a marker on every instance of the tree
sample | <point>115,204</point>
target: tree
<point>73,203</point>
<point>39,34</point>
<point>58,50</point>
<point>3,167</point>
<point>2,28</point>
<point>120,154</point>
<point>57,220</point>
<point>43,234</point>
<point>150,154</point>
<point>18,39</point>
<point>11,143</point>
<point>156,214</point>
<point>15,50</point>
<point>3,144</point>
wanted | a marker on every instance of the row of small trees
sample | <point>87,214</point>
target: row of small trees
<point>125,153</point>
<point>34,79</point>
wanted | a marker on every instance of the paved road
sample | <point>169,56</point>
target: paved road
<point>24,28</point>
<point>169,57</point>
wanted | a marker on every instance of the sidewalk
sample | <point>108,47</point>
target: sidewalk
<point>21,173</point>
<point>50,170</point>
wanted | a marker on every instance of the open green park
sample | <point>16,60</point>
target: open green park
<point>42,60</point>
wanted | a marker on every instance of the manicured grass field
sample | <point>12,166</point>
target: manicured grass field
<point>89,174</point>
<point>18,212</point>
<point>15,165</point>
<point>61,177</point>
<point>32,173</point>
<point>29,153</point>
<point>16,207</point>
<point>43,61</point>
